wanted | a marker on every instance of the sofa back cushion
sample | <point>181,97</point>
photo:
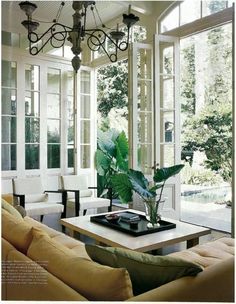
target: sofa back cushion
<point>9,208</point>
<point>146,271</point>
<point>93,281</point>
<point>28,281</point>
<point>16,231</point>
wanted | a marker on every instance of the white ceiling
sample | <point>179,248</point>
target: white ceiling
<point>12,15</point>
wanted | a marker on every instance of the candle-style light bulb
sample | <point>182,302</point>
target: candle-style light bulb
<point>129,11</point>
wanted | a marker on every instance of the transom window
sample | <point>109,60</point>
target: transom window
<point>189,11</point>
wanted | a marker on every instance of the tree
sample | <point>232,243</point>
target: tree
<point>112,87</point>
<point>211,132</point>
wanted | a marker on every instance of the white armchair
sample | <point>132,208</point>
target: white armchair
<point>33,198</point>
<point>81,196</point>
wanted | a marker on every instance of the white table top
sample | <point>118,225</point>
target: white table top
<point>144,243</point>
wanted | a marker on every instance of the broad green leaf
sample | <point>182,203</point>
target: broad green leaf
<point>102,162</point>
<point>106,144</point>
<point>121,163</point>
<point>163,174</point>
<point>122,143</point>
<point>122,186</point>
<point>139,183</point>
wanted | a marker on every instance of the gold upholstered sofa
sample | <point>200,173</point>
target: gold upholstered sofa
<point>42,264</point>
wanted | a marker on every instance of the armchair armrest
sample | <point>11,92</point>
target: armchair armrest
<point>77,200</point>
<point>64,198</point>
<point>21,197</point>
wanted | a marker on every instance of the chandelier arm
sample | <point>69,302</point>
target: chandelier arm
<point>59,36</point>
<point>98,45</point>
<point>51,29</point>
<point>115,43</point>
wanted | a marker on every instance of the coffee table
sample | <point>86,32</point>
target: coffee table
<point>183,232</point>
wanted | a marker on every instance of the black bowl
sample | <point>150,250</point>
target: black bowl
<point>112,218</point>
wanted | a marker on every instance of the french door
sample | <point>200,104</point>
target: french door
<point>154,132</point>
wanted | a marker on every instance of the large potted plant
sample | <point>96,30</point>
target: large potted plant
<point>134,181</point>
<point>111,157</point>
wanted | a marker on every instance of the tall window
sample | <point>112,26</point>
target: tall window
<point>9,89</point>
<point>70,121</point>
<point>32,117</point>
<point>85,119</point>
<point>53,117</point>
<point>145,110</point>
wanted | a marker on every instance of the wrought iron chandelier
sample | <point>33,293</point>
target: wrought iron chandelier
<point>57,33</point>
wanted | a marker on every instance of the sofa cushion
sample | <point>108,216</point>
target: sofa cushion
<point>51,232</point>
<point>16,231</point>
<point>209,253</point>
<point>8,197</point>
<point>8,207</point>
<point>93,281</point>
<point>146,271</point>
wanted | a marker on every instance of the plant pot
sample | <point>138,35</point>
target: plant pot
<point>152,211</point>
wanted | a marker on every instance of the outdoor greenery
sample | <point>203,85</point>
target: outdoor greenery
<point>207,123</point>
<point>111,157</point>
<point>206,100</point>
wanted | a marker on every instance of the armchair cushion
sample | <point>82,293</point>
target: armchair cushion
<point>93,281</point>
<point>35,209</point>
<point>36,198</point>
<point>146,271</point>
<point>76,182</point>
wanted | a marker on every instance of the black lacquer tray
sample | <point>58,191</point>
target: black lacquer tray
<point>125,227</point>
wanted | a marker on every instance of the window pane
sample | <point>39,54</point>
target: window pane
<point>85,132</point>
<point>53,156</point>
<point>31,77</point>
<point>53,81</point>
<point>8,129</point>
<point>171,20</point>
<point>8,157</point>
<point>8,74</point>
<point>31,130</point>
<point>145,158</point>
<point>145,128</point>
<point>70,154</point>
<point>10,39</point>
<point>167,132</point>
<point>9,101</point>
<point>53,131</point>
<point>167,64</point>
<point>144,63</point>
<point>31,157</point>
<point>70,134</point>
<point>53,106</point>
<point>85,107</point>
<point>212,6</point>
<point>167,92</point>
<point>167,155</point>
<point>189,11</point>
<point>32,103</point>
<point>85,82</point>
<point>70,108</point>
<point>85,156</point>
<point>70,82</point>
<point>145,95</point>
